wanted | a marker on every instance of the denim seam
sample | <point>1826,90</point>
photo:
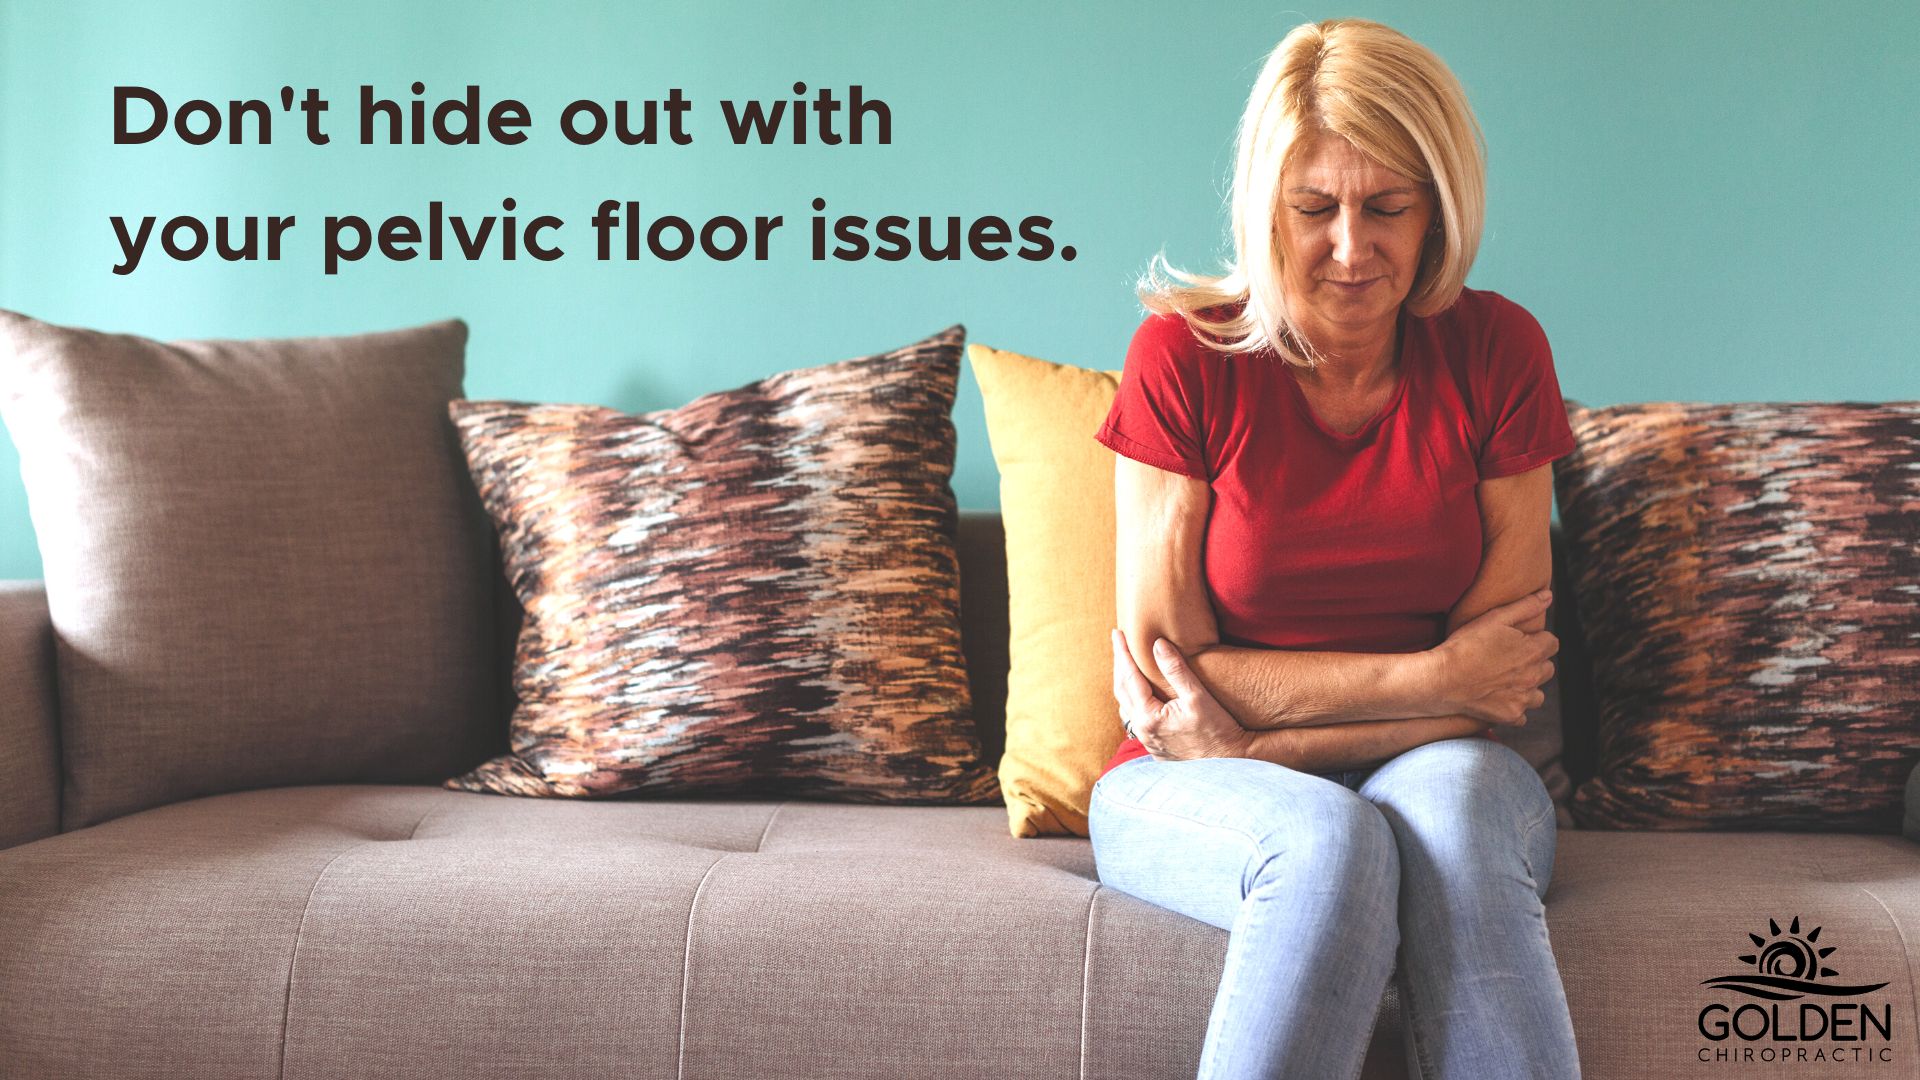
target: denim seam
<point>1249,837</point>
<point>1360,1060</point>
<point>1422,1064</point>
<point>1098,794</point>
<point>1258,843</point>
<point>1526,842</point>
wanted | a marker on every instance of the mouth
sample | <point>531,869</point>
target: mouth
<point>1350,286</point>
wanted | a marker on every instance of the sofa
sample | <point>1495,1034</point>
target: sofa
<point>394,930</point>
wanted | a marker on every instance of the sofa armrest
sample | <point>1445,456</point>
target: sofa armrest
<point>29,729</point>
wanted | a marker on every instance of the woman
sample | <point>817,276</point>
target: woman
<point>1334,488</point>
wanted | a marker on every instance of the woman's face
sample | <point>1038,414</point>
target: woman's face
<point>1346,218</point>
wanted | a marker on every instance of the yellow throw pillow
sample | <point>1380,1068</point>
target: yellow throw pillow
<point>1056,501</point>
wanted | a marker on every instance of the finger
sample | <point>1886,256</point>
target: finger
<point>1531,604</point>
<point>1173,665</point>
<point>1128,681</point>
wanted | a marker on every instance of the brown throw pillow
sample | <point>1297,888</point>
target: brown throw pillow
<point>264,561</point>
<point>1746,576</point>
<point>756,592</point>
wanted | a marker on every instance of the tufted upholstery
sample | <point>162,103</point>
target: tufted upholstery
<point>374,931</point>
<point>396,931</point>
<point>399,931</point>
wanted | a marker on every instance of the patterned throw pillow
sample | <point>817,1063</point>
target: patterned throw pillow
<point>755,593</point>
<point>1748,577</point>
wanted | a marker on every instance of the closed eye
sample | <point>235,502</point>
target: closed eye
<point>1329,209</point>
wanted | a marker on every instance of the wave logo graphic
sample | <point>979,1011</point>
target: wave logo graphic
<point>1787,967</point>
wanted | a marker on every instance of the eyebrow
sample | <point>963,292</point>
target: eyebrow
<point>1375,195</point>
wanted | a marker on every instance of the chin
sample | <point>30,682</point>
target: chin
<point>1348,307</point>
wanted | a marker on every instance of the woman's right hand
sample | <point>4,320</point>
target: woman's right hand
<point>1491,669</point>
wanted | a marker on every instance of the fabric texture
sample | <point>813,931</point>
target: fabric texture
<point>264,561</point>
<point>1056,502</point>
<point>1449,841</point>
<point>755,592</point>
<point>1746,584</point>
<point>1910,822</point>
<point>29,729</point>
<point>1357,541</point>
<point>981,544</point>
<point>362,928</point>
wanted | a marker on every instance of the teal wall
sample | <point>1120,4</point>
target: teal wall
<point>1699,200</point>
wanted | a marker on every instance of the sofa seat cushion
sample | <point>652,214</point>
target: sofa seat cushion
<point>389,931</point>
<point>1641,920</point>
<point>419,932</point>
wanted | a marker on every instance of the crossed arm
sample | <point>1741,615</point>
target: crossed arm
<point>1314,711</point>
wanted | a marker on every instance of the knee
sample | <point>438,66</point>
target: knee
<point>1444,783</point>
<point>1519,782</point>
<point>1343,852</point>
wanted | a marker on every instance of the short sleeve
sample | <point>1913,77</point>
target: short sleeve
<point>1526,418</point>
<point>1155,417</point>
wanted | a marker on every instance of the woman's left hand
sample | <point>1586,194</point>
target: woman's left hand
<point>1192,725</point>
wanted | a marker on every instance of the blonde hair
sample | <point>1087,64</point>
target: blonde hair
<point>1397,103</point>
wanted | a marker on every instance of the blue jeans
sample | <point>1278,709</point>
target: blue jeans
<point>1436,860</point>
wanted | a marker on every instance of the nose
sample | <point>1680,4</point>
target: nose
<point>1348,236</point>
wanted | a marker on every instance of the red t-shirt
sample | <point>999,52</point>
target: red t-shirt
<point>1352,543</point>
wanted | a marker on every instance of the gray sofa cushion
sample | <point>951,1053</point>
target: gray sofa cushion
<point>419,932</point>
<point>30,762</point>
<point>264,561</point>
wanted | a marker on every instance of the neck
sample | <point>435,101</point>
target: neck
<point>1354,358</point>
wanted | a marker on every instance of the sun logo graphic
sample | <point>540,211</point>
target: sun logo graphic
<point>1787,967</point>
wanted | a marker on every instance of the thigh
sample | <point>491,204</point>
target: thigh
<point>1191,836</point>
<point>1467,796</point>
